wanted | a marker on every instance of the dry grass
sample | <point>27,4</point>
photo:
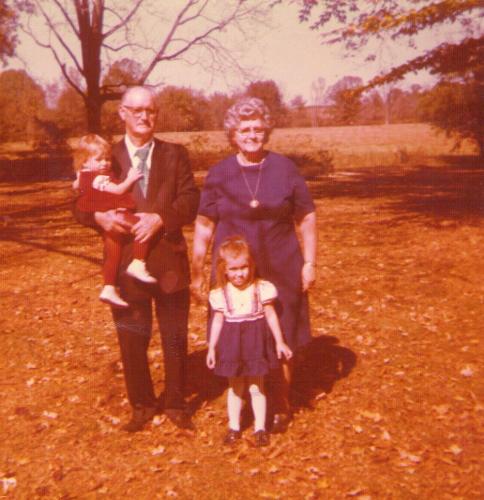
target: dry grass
<point>316,150</point>
<point>359,146</point>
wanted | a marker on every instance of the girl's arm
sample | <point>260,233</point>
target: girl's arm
<point>307,227</point>
<point>133,175</point>
<point>282,348</point>
<point>204,229</point>
<point>216,328</point>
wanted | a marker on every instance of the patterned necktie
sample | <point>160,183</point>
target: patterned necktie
<point>142,154</point>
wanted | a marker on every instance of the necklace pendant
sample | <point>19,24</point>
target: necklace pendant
<point>254,203</point>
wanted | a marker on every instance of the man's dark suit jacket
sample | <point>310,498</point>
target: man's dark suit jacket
<point>173,195</point>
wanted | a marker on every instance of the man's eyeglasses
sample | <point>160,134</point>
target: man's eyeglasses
<point>137,112</point>
<point>258,131</point>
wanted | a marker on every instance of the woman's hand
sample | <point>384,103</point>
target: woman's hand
<point>308,275</point>
<point>283,349</point>
<point>198,288</point>
<point>211,357</point>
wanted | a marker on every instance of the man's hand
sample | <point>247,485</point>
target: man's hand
<point>147,226</point>
<point>113,221</point>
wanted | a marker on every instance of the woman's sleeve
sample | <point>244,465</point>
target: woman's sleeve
<point>208,198</point>
<point>267,291</point>
<point>303,201</point>
<point>216,299</point>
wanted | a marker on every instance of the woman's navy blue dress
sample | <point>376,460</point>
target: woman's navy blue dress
<point>269,229</point>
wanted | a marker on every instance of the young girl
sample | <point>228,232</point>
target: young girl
<point>241,346</point>
<point>99,192</point>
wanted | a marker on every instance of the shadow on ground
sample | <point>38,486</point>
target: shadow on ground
<point>451,188</point>
<point>323,363</point>
<point>318,368</point>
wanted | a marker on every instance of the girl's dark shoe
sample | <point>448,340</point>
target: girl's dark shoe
<point>261,438</point>
<point>231,437</point>
<point>280,423</point>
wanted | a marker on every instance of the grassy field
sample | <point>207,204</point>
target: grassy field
<point>315,150</point>
<point>350,146</point>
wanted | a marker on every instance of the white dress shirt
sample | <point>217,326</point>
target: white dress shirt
<point>135,161</point>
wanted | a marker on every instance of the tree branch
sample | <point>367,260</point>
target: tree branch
<point>457,57</point>
<point>53,29</point>
<point>124,21</point>
<point>67,17</point>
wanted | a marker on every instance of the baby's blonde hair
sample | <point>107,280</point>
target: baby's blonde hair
<point>233,246</point>
<point>88,146</point>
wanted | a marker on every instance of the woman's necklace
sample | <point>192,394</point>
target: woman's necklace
<point>254,202</point>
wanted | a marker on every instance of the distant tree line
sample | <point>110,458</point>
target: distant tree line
<point>31,112</point>
<point>90,39</point>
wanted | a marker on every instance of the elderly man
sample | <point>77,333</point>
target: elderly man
<point>166,200</point>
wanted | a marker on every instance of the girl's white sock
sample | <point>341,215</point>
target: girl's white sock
<point>234,401</point>
<point>259,402</point>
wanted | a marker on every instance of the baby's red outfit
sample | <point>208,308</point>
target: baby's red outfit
<point>92,199</point>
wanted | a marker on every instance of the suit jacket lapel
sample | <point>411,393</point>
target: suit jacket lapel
<point>156,172</point>
<point>123,158</point>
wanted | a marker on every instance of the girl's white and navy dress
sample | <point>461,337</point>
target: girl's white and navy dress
<point>246,345</point>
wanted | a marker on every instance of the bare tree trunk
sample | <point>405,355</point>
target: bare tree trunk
<point>93,111</point>
<point>90,19</point>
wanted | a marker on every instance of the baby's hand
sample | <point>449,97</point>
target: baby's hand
<point>134,174</point>
<point>283,350</point>
<point>211,358</point>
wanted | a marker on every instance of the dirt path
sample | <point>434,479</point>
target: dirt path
<point>389,400</point>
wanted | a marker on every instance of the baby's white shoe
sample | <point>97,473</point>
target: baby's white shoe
<point>137,269</point>
<point>110,296</point>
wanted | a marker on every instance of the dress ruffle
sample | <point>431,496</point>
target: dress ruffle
<point>245,349</point>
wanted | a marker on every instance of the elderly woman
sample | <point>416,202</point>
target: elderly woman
<point>260,195</point>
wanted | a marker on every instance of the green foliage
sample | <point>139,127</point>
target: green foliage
<point>458,63</point>
<point>181,109</point>
<point>21,102</point>
<point>269,92</point>
<point>360,21</point>
<point>69,113</point>
<point>8,25</point>
<point>457,108</point>
<point>344,100</point>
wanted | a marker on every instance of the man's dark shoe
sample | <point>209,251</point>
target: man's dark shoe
<point>280,423</point>
<point>180,418</point>
<point>231,437</point>
<point>141,416</point>
<point>261,438</point>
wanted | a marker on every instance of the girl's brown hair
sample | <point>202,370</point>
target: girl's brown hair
<point>90,145</point>
<point>232,247</point>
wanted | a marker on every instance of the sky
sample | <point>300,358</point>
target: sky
<point>282,50</point>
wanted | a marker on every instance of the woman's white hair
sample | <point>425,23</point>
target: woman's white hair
<point>247,108</point>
